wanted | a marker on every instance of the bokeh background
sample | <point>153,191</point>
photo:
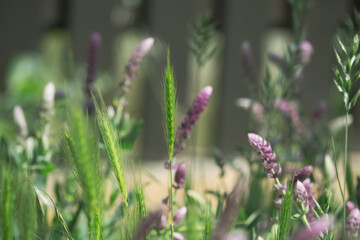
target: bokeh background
<point>48,41</point>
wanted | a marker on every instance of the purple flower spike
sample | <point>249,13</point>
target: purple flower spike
<point>289,109</point>
<point>179,215</point>
<point>311,201</point>
<point>178,236</point>
<point>305,51</point>
<point>301,193</point>
<point>267,156</point>
<point>146,225</point>
<point>316,228</point>
<point>192,117</point>
<point>180,175</point>
<point>303,173</point>
<point>353,223</point>
<point>134,62</point>
<point>94,47</point>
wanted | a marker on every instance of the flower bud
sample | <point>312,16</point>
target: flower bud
<point>180,175</point>
<point>305,51</point>
<point>353,223</point>
<point>178,236</point>
<point>20,121</point>
<point>179,215</point>
<point>300,193</point>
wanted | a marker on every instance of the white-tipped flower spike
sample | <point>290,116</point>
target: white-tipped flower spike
<point>353,223</point>
<point>179,215</point>
<point>266,153</point>
<point>111,111</point>
<point>49,97</point>
<point>305,51</point>
<point>134,62</point>
<point>235,235</point>
<point>329,168</point>
<point>20,121</point>
<point>178,236</point>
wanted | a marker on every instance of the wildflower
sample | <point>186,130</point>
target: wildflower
<point>161,222</point>
<point>303,173</point>
<point>178,236</point>
<point>305,51</point>
<point>145,226</point>
<point>350,206</point>
<point>247,61</point>
<point>317,228</point>
<point>192,117</point>
<point>311,202</point>
<point>134,62</point>
<point>289,109</point>
<point>179,215</point>
<point>267,156</point>
<point>20,121</point>
<point>180,175</point>
<point>94,46</point>
<point>301,193</point>
<point>353,223</point>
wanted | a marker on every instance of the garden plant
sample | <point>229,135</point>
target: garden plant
<point>76,142</point>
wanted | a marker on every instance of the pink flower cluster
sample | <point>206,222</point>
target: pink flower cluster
<point>134,62</point>
<point>353,220</point>
<point>192,117</point>
<point>266,153</point>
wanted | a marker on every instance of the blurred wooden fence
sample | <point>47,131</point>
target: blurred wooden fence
<point>23,23</point>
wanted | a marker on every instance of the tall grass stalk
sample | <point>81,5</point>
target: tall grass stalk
<point>169,112</point>
<point>345,166</point>
<point>83,156</point>
<point>113,148</point>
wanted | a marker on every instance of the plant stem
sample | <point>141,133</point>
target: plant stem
<point>305,221</point>
<point>345,165</point>
<point>171,202</point>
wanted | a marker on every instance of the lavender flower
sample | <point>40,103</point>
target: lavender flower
<point>178,236</point>
<point>301,193</point>
<point>192,117</point>
<point>317,228</point>
<point>134,62</point>
<point>20,121</point>
<point>94,47</point>
<point>161,223</point>
<point>180,175</point>
<point>303,173</point>
<point>350,206</point>
<point>289,109</point>
<point>267,156</point>
<point>145,226</point>
<point>310,196</point>
<point>247,61</point>
<point>353,223</point>
<point>305,51</point>
<point>179,215</point>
